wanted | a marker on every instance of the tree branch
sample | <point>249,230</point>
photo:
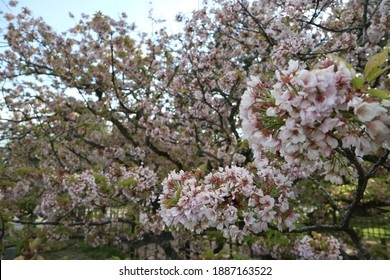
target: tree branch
<point>333,202</point>
<point>270,40</point>
<point>162,153</point>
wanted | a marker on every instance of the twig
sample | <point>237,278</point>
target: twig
<point>333,202</point>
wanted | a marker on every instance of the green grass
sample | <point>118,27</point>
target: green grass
<point>375,232</point>
<point>82,251</point>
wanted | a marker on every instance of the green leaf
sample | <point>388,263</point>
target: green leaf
<point>376,73</point>
<point>174,200</point>
<point>357,82</point>
<point>372,69</point>
<point>382,94</point>
<point>178,193</point>
<point>128,182</point>
<point>208,255</point>
<point>171,201</point>
<point>349,66</point>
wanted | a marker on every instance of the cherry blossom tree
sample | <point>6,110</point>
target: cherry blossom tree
<point>219,128</point>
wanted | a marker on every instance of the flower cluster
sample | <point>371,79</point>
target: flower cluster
<point>318,247</point>
<point>84,190</point>
<point>138,188</point>
<point>302,125</point>
<point>228,200</point>
<point>277,251</point>
<point>315,247</point>
<point>98,197</point>
<point>137,184</point>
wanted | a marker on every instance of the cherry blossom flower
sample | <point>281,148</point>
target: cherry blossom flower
<point>368,111</point>
<point>318,248</point>
<point>220,200</point>
<point>303,123</point>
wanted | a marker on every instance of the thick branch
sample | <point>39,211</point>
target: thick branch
<point>332,29</point>
<point>362,252</point>
<point>311,228</point>
<point>162,153</point>
<point>123,130</point>
<point>362,184</point>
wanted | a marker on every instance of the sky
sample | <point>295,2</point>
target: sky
<point>56,12</point>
